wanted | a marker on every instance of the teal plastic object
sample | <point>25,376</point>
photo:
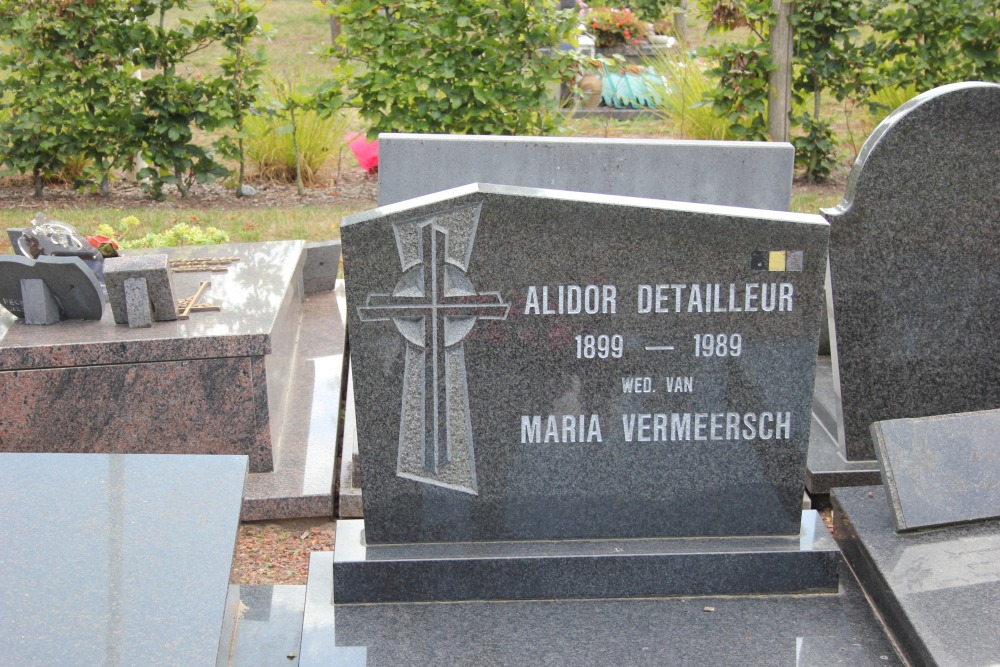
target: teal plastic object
<point>631,91</point>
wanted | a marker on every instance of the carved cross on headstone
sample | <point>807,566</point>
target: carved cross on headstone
<point>434,306</point>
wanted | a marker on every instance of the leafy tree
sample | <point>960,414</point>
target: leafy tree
<point>462,66</point>
<point>828,58</point>
<point>741,67</point>
<point>934,42</point>
<point>242,69</point>
<point>69,87</point>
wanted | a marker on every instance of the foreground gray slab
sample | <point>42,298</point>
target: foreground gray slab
<point>114,559</point>
<point>940,470</point>
<point>915,265</point>
<point>731,173</point>
<point>780,630</point>
<point>598,367</point>
<point>936,589</point>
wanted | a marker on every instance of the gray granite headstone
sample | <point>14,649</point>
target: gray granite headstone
<point>915,265</point>
<point>138,309</point>
<point>73,285</point>
<point>541,365</point>
<point>940,470</point>
<point>155,270</point>
<point>731,173</point>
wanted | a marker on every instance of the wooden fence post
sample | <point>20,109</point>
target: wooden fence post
<point>779,97</point>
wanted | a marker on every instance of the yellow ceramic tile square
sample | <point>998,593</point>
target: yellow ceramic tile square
<point>776,260</point>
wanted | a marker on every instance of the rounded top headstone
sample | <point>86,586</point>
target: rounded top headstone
<point>921,151</point>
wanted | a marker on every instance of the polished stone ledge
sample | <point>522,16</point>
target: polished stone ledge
<point>568,569</point>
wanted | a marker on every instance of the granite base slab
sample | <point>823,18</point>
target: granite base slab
<point>826,465</point>
<point>269,631</point>
<point>567,569</point>
<point>117,559</point>
<point>936,589</point>
<point>301,484</point>
<point>780,630</point>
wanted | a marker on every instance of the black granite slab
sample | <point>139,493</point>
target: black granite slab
<point>559,426</point>
<point>936,589</point>
<point>940,470</point>
<point>779,630</point>
<point>116,559</point>
<point>915,264</point>
<point>566,569</point>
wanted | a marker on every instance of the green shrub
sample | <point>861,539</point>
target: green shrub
<point>889,98</point>
<point>180,234</point>
<point>462,66</point>
<point>272,152</point>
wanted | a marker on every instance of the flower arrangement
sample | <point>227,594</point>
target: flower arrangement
<point>614,27</point>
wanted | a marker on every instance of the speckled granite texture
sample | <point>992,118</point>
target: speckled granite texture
<point>213,384</point>
<point>940,470</point>
<point>915,262</point>
<point>527,483</point>
<point>935,588</point>
<point>116,559</point>
<point>763,631</point>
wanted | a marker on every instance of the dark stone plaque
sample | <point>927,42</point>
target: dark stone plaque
<point>940,470</point>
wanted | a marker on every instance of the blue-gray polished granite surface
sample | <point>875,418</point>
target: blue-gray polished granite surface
<point>212,384</point>
<point>778,630</point>
<point>116,559</point>
<point>937,589</point>
<point>915,264</point>
<point>940,470</point>
<point>534,365</point>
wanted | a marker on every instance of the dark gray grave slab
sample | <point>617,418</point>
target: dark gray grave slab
<point>940,470</point>
<point>915,265</point>
<point>553,415</point>
<point>731,173</point>
<point>116,559</point>
<point>583,397</point>
<point>791,630</point>
<point>154,269</point>
<point>936,589</point>
<point>566,569</point>
<point>70,282</point>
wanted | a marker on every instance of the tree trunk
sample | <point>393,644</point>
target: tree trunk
<point>298,156</point>
<point>680,22</point>
<point>779,97</point>
<point>38,183</point>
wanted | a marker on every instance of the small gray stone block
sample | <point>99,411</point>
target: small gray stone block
<point>39,305</point>
<point>137,306</point>
<point>155,269</point>
<point>322,263</point>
